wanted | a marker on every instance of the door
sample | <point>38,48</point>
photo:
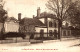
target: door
<point>41,33</point>
<point>50,33</point>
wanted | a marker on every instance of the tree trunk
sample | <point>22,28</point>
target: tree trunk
<point>59,29</point>
<point>3,29</point>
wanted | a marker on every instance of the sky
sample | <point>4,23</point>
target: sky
<point>28,8</point>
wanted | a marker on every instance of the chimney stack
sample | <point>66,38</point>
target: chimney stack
<point>19,16</point>
<point>33,16</point>
<point>38,12</point>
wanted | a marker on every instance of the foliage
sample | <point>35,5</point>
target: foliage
<point>2,14</point>
<point>74,13</point>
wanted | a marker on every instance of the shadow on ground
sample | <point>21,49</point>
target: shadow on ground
<point>75,45</point>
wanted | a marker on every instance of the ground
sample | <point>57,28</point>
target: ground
<point>47,46</point>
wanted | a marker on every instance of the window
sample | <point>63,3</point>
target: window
<point>64,33</point>
<point>50,24</point>
<point>55,24</point>
<point>50,33</point>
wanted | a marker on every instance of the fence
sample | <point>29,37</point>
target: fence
<point>14,40</point>
<point>28,38</point>
<point>75,33</point>
<point>35,38</point>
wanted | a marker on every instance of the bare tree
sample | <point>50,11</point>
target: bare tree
<point>59,7</point>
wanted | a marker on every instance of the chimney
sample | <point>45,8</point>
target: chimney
<point>38,12</point>
<point>33,16</point>
<point>19,16</point>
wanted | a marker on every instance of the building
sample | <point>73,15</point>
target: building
<point>43,22</point>
<point>11,25</point>
<point>27,25</point>
<point>50,21</point>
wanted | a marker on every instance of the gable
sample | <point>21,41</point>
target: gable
<point>42,20</point>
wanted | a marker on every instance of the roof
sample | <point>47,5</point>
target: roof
<point>11,19</point>
<point>31,21</point>
<point>47,15</point>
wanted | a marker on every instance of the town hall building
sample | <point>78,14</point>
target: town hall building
<point>43,22</point>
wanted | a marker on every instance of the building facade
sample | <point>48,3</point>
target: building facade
<point>43,23</point>
<point>28,25</point>
<point>11,25</point>
<point>51,24</point>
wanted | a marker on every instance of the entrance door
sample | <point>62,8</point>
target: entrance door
<point>41,33</point>
<point>50,33</point>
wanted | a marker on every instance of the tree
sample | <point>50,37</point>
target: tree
<point>59,7</point>
<point>74,13</point>
<point>3,16</point>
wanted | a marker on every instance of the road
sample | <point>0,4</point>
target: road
<point>52,46</point>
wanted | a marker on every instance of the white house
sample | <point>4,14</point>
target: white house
<point>50,23</point>
<point>11,25</point>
